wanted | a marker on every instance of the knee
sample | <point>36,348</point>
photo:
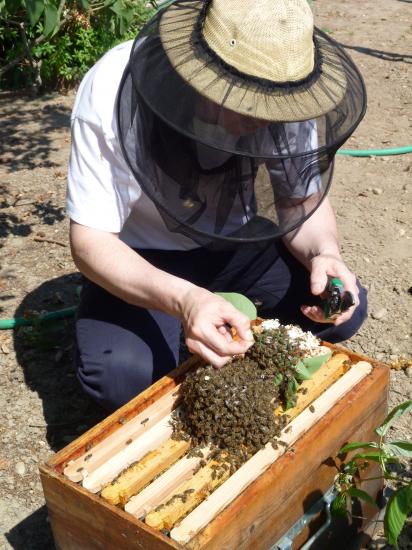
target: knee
<point>112,378</point>
<point>350,328</point>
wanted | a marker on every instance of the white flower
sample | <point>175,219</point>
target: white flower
<point>307,341</point>
<point>270,324</point>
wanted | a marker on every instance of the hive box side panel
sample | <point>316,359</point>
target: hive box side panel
<point>81,521</point>
<point>270,506</point>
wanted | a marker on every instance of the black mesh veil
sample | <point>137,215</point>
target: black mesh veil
<point>216,174</point>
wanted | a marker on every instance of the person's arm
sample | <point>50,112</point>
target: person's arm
<point>315,244</point>
<point>103,258</point>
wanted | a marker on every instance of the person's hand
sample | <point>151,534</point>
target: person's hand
<point>206,318</point>
<point>322,266</point>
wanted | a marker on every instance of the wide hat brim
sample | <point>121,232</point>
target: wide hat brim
<point>312,97</point>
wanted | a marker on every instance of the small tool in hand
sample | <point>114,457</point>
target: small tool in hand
<point>337,299</point>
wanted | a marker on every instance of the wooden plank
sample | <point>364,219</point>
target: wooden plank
<point>186,497</point>
<point>122,416</point>
<point>84,465</point>
<point>163,487</point>
<point>268,507</point>
<point>146,443</point>
<point>83,521</point>
<point>254,467</point>
<point>139,475</point>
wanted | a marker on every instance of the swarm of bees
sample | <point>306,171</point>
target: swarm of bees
<point>231,409</point>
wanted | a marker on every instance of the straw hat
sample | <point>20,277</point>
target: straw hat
<point>261,58</point>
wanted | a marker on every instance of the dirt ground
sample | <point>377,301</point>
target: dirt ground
<point>41,405</point>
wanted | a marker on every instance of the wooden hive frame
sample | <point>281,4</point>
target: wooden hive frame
<point>83,520</point>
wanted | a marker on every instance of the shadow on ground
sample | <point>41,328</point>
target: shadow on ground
<point>380,54</point>
<point>45,351</point>
<point>30,139</point>
<point>32,533</point>
<point>22,145</point>
<point>42,211</point>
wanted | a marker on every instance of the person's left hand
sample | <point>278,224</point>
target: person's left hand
<point>321,267</point>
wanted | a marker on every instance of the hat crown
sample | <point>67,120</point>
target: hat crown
<point>270,39</point>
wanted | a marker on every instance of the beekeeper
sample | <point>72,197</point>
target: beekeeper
<point>202,155</point>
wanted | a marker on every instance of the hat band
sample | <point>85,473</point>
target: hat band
<point>203,50</point>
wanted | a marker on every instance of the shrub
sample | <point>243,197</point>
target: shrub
<point>52,43</point>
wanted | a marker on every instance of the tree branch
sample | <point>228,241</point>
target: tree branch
<point>28,46</point>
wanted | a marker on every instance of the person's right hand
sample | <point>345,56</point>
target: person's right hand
<point>205,317</point>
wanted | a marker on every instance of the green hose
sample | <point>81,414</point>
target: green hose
<point>376,152</point>
<point>53,315</point>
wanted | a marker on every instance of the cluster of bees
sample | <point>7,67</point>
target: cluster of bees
<point>231,409</point>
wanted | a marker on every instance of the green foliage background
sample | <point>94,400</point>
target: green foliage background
<point>51,44</point>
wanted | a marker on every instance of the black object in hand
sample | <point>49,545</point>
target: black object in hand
<point>337,298</point>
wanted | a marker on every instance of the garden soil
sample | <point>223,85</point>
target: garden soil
<point>41,406</point>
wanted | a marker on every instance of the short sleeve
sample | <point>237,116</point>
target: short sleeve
<point>101,190</point>
<point>297,178</point>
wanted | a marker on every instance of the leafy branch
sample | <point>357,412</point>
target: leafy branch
<point>40,24</point>
<point>384,453</point>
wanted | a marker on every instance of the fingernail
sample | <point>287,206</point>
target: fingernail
<point>249,336</point>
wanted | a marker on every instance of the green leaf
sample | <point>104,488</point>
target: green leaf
<point>369,455</point>
<point>241,303</point>
<point>51,19</point>
<point>278,379</point>
<point>34,10</point>
<point>13,6</point>
<point>363,495</point>
<point>397,510</point>
<point>395,413</point>
<point>399,448</point>
<point>351,467</point>
<point>309,365</point>
<point>85,4</point>
<point>375,456</point>
<point>315,362</point>
<point>291,390</point>
<point>339,506</point>
<point>302,371</point>
<point>122,11</point>
<point>357,445</point>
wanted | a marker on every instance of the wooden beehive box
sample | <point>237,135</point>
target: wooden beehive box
<point>255,519</point>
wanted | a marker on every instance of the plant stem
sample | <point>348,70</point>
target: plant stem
<point>35,65</point>
<point>401,480</point>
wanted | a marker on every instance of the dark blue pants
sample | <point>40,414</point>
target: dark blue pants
<point>122,349</point>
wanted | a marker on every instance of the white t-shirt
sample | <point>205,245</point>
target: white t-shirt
<point>102,191</point>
